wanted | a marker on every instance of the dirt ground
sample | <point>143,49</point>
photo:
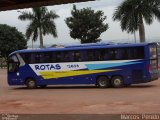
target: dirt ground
<point>143,98</point>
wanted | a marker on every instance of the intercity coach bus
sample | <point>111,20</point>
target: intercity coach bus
<point>103,65</point>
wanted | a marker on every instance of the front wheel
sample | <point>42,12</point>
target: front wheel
<point>30,83</point>
<point>117,82</point>
<point>103,82</point>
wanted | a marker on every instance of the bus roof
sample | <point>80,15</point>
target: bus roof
<point>82,46</point>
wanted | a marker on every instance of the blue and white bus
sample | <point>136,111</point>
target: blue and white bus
<point>103,65</point>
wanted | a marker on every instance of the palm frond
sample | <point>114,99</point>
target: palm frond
<point>51,15</point>
<point>32,27</point>
<point>131,13</point>
<point>26,16</point>
<point>49,28</point>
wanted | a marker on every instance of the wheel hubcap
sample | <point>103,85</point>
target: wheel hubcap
<point>117,81</point>
<point>31,84</point>
<point>102,82</point>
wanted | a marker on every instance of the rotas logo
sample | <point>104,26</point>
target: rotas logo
<point>48,67</point>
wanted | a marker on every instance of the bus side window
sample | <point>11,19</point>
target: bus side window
<point>53,57</point>
<point>67,57</point>
<point>77,56</point>
<point>98,55</point>
<point>72,56</point>
<point>130,53</point>
<point>91,55</point>
<point>141,53</point>
<point>47,58</point>
<point>107,55</point>
<point>119,54</point>
<point>113,53</point>
<point>83,56</point>
<point>58,56</point>
<point>38,57</point>
<point>136,53</point>
<point>26,57</point>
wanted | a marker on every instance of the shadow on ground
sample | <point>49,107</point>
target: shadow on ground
<point>84,87</point>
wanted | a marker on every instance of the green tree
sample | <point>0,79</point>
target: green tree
<point>133,13</point>
<point>86,24</point>
<point>10,40</point>
<point>41,23</point>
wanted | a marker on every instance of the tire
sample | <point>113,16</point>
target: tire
<point>30,83</point>
<point>103,82</point>
<point>117,82</point>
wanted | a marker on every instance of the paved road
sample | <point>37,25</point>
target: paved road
<point>144,98</point>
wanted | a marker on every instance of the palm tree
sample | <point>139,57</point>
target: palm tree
<point>41,23</point>
<point>133,13</point>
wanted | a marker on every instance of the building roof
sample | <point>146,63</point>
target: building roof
<point>20,4</point>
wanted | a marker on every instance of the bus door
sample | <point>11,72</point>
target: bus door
<point>13,67</point>
<point>153,63</point>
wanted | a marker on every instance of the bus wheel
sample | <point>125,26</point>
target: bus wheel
<point>103,82</point>
<point>117,82</point>
<point>30,83</point>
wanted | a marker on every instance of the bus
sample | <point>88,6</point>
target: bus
<point>104,65</point>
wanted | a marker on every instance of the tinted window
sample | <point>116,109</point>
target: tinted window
<point>67,57</point>
<point>85,55</point>
<point>91,55</point>
<point>77,56</point>
<point>138,53</point>
<point>26,57</point>
<point>119,53</point>
<point>59,57</point>
<point>38,57</point>
<point>47,57</point>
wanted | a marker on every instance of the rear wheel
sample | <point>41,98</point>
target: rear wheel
<point>30,83</point>
<point>103,82</point>
<point>117,82</point>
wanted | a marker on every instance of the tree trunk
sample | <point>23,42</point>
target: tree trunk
<point>41,38</point>
<point>142,31</point>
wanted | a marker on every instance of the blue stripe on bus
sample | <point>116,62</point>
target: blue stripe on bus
<point>108,65</point>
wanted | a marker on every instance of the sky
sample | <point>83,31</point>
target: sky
<point>113,34</point>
